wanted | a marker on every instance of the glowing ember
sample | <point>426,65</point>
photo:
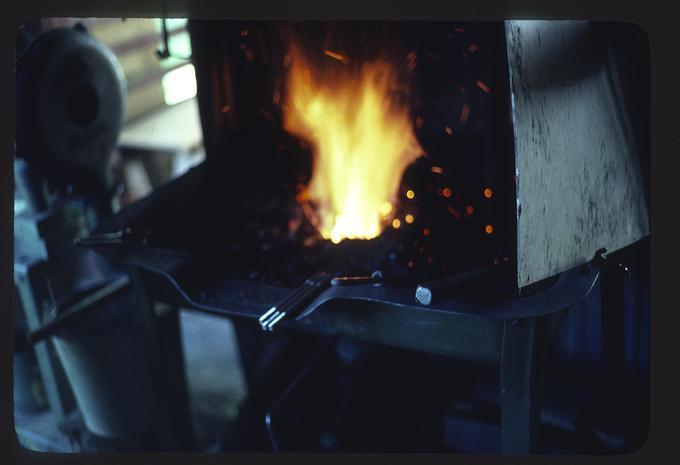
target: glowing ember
<point>454,212</point>
<point>465,112</point>
<point>483,86</point>
<point>362,139</point>
<point>411,61</point>
<point>334,55</point>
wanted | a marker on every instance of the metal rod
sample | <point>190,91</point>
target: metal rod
<point>294,307</point>
<point>266,315</point>
<point>273,312</point>
<point>292,304</point>
<point>354,280</point>
<point>308,287</point>
<point>279,317</point>
<point>77,310</point>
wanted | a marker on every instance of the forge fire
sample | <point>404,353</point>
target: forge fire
<point>356,117</point>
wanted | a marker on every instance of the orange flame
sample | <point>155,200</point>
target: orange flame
<point>362,139</point>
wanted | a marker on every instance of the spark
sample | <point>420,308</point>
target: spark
<point>483,86</point>
<point>454,212</point>
<point>464,113</point>
<point>411,61</point>
<point>335,55</point>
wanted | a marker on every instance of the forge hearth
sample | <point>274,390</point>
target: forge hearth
<point>493,186</point>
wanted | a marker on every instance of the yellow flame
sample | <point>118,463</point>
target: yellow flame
<point>362,139</point>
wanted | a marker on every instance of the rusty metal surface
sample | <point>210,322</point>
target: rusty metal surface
<point>579,180</point>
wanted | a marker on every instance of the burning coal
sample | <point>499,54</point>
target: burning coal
<point>357,121</point>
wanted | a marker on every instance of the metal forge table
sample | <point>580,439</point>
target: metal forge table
<point>513,332</point>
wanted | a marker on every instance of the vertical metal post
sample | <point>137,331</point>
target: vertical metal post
<point>524,353</point>
<point>167,371</point>
<point>613,328</point>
